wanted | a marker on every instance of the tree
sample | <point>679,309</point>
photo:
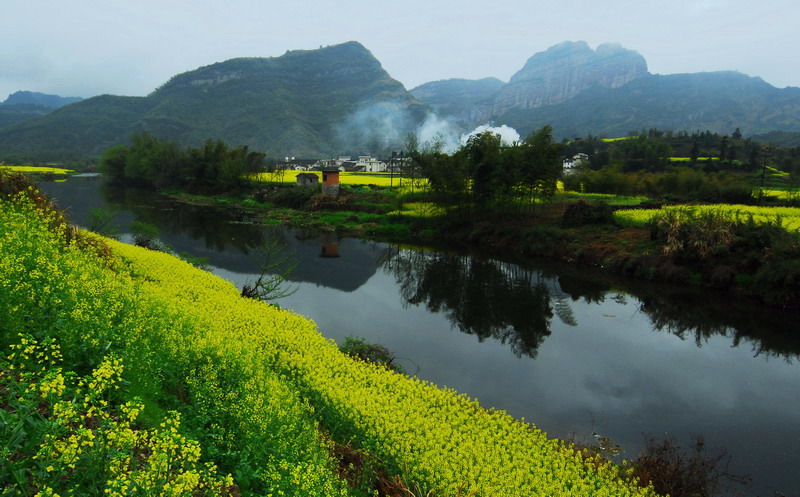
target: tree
<point>542,164</point>
<point>643,153</point>
<point>212,168</point>
<point>276,268</point>
<point>113,162</point>
<point>481,154</point>
<point>723,149</point>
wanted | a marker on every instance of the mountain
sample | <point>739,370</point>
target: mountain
<point>23,105</point>
<point>565,70</point>
<point>716,101</point>
<point>459,98</point>
<point>609,91</point>
<point>36,98</point>
<point>306,103</point>
<point>340,100</point>
<point>12,114</point>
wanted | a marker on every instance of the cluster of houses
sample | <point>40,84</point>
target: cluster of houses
<point>369,164</point>
<point>364,164</point>
<point>577,160</point>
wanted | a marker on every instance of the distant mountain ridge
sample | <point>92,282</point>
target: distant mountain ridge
<point>715,101</point>
<point>340,100</point>
<point>36,98</point>
<point>297,104</point>
<point>24,105</point>
<point>609,91</point>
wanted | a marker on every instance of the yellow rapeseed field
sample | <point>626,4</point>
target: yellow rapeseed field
<point>36,169</point>
<point>788,217</point>
<point>264,376</point>
<point>346,178</point>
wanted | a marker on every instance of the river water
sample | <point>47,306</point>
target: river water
<point>574,352</point>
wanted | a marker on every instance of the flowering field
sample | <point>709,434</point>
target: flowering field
<point>252,383</point>
<point>346,178</point>
<point>787,217</point>
<point>783,194</point>
<point>71,428</point>
<point>36,169</point>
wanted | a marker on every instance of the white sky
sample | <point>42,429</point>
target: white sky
<point>124,47</point>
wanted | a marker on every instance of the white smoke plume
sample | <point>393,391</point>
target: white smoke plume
<point>452,136</point>
<point>376,127</point>
<point>435,128</point>
<point>381,126</point>
<point>508,135</point>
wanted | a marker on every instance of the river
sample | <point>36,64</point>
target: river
<point>575,352</point>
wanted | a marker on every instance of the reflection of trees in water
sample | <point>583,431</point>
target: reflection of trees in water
<point>769,331</point>
<point>698,315</point>
<point>489,298</point>
<point>217,228</point>
<point>486,298</point>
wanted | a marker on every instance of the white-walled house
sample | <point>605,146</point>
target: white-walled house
<point>371,164</point>
<point>576,160</point>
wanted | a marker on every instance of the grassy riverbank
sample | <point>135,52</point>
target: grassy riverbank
<point>746,249</point>
<point>109,348</point>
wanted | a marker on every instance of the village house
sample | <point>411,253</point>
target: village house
<point>577,160</point>
<point>307,179</point>
<point>371,164</point>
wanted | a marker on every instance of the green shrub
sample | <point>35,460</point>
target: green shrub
<point>582,213</point>
<point>371,352</point>
<point>295,197</point>
<point>144,235</point>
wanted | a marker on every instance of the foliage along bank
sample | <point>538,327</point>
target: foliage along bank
<point>151,163</point>
<point>252,384</point>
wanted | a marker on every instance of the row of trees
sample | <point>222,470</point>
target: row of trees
<point>211,168</point>
<point>678,183</point>
<point>712,168</point>
<point>486,175</point>
<point>651,150</point>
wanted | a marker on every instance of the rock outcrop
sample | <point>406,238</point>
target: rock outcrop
<point>565,70</point>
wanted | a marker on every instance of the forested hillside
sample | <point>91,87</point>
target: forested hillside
<point>304,103</point>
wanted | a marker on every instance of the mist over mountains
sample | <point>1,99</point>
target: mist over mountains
<point>340,100</point>
<point>610,92</point>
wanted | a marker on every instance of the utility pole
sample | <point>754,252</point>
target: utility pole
<point>767,156</point>
<point>399,197</point>
<point>391,170</point>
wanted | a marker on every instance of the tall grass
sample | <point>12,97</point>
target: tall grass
<point>786,217</point>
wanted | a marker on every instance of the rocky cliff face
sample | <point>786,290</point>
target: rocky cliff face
<point>565,70</point>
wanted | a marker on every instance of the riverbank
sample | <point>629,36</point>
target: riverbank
<point>254,392</point>
<point>758,260</point>
<point>463,319</point>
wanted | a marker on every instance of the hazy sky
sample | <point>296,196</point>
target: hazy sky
<point>125,47</point>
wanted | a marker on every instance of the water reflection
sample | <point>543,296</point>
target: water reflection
<point>228,239</point>
<point>489,298</point>
<point>218,229</point>
<point>768,334</point>
<point>692,314</point>
<point>329,246</point>
<point>481,297</point>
